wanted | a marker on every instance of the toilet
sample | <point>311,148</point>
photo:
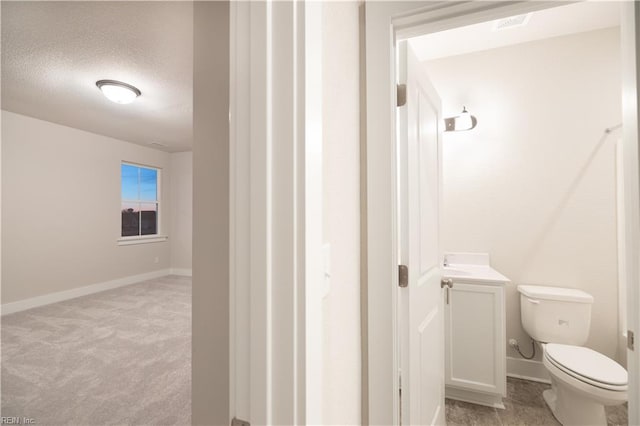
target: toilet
<point>583,381</point>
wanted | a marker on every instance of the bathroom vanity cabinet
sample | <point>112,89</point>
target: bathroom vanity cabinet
<point>475,352</point>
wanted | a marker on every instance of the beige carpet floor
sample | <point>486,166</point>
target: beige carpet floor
<point>120,357</point>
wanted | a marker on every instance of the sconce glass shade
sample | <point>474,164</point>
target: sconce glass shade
<point>464,121</point>
<point>118,92</point>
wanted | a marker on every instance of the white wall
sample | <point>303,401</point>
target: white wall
<point>534,183</point>
<point>61,209</point>
<point>181,210</point>
<point>341,162</point>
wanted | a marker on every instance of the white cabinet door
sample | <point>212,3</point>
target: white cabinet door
<point>475,338</point>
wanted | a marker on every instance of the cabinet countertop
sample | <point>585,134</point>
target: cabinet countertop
<point>481,274</point>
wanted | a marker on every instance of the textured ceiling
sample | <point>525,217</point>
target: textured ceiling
<point>573,18</point>
<point>54,52</point>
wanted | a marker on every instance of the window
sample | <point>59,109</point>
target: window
<point>140,200</point>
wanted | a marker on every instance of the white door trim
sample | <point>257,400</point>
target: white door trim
<point>276,209</point>
<point>239,217</point>
<point>385,21</point>
<point>314,274</point>
<point>630,37</point>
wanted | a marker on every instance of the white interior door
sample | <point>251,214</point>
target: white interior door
<point>421,318</point>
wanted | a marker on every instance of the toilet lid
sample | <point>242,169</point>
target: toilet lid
<point>587,363</point>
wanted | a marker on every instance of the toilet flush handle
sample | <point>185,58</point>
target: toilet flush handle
<point>535,302</point>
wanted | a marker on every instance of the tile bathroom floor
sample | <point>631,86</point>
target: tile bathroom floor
<point>524,406</point>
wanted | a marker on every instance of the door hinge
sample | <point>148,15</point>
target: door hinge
<point>401,95</point>
<point>403,276</point>
<point>630,340</point>
<point>238,422</point>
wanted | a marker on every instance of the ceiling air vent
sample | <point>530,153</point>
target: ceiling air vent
<point>511,22</point>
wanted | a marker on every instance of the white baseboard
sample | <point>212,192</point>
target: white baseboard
<point>34,302</point>
<point>527,369</point>
<point>183,272</point>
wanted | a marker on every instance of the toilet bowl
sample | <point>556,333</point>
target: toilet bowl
<point>583,382</point>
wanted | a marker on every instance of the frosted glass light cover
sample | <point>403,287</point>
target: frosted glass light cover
<point>118,92</point>
<point>463,121</point>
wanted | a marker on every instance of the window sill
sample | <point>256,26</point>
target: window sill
<point>146,239</point>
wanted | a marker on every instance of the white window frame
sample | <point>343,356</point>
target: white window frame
<point>151,238</point>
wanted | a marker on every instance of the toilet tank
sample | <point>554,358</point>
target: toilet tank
<point>555,315</point>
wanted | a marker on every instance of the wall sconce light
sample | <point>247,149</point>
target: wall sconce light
<point>464,121</point>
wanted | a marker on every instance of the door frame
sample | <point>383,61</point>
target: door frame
<point>275,245</point>
<point>630,44</point>
<point>386,22</point>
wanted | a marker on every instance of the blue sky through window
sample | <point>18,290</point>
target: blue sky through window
<point>139,183</point>
<point>148,184</point>
<point>129,182</point>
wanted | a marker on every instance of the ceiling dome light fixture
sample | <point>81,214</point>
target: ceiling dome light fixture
<point>118,92</point>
